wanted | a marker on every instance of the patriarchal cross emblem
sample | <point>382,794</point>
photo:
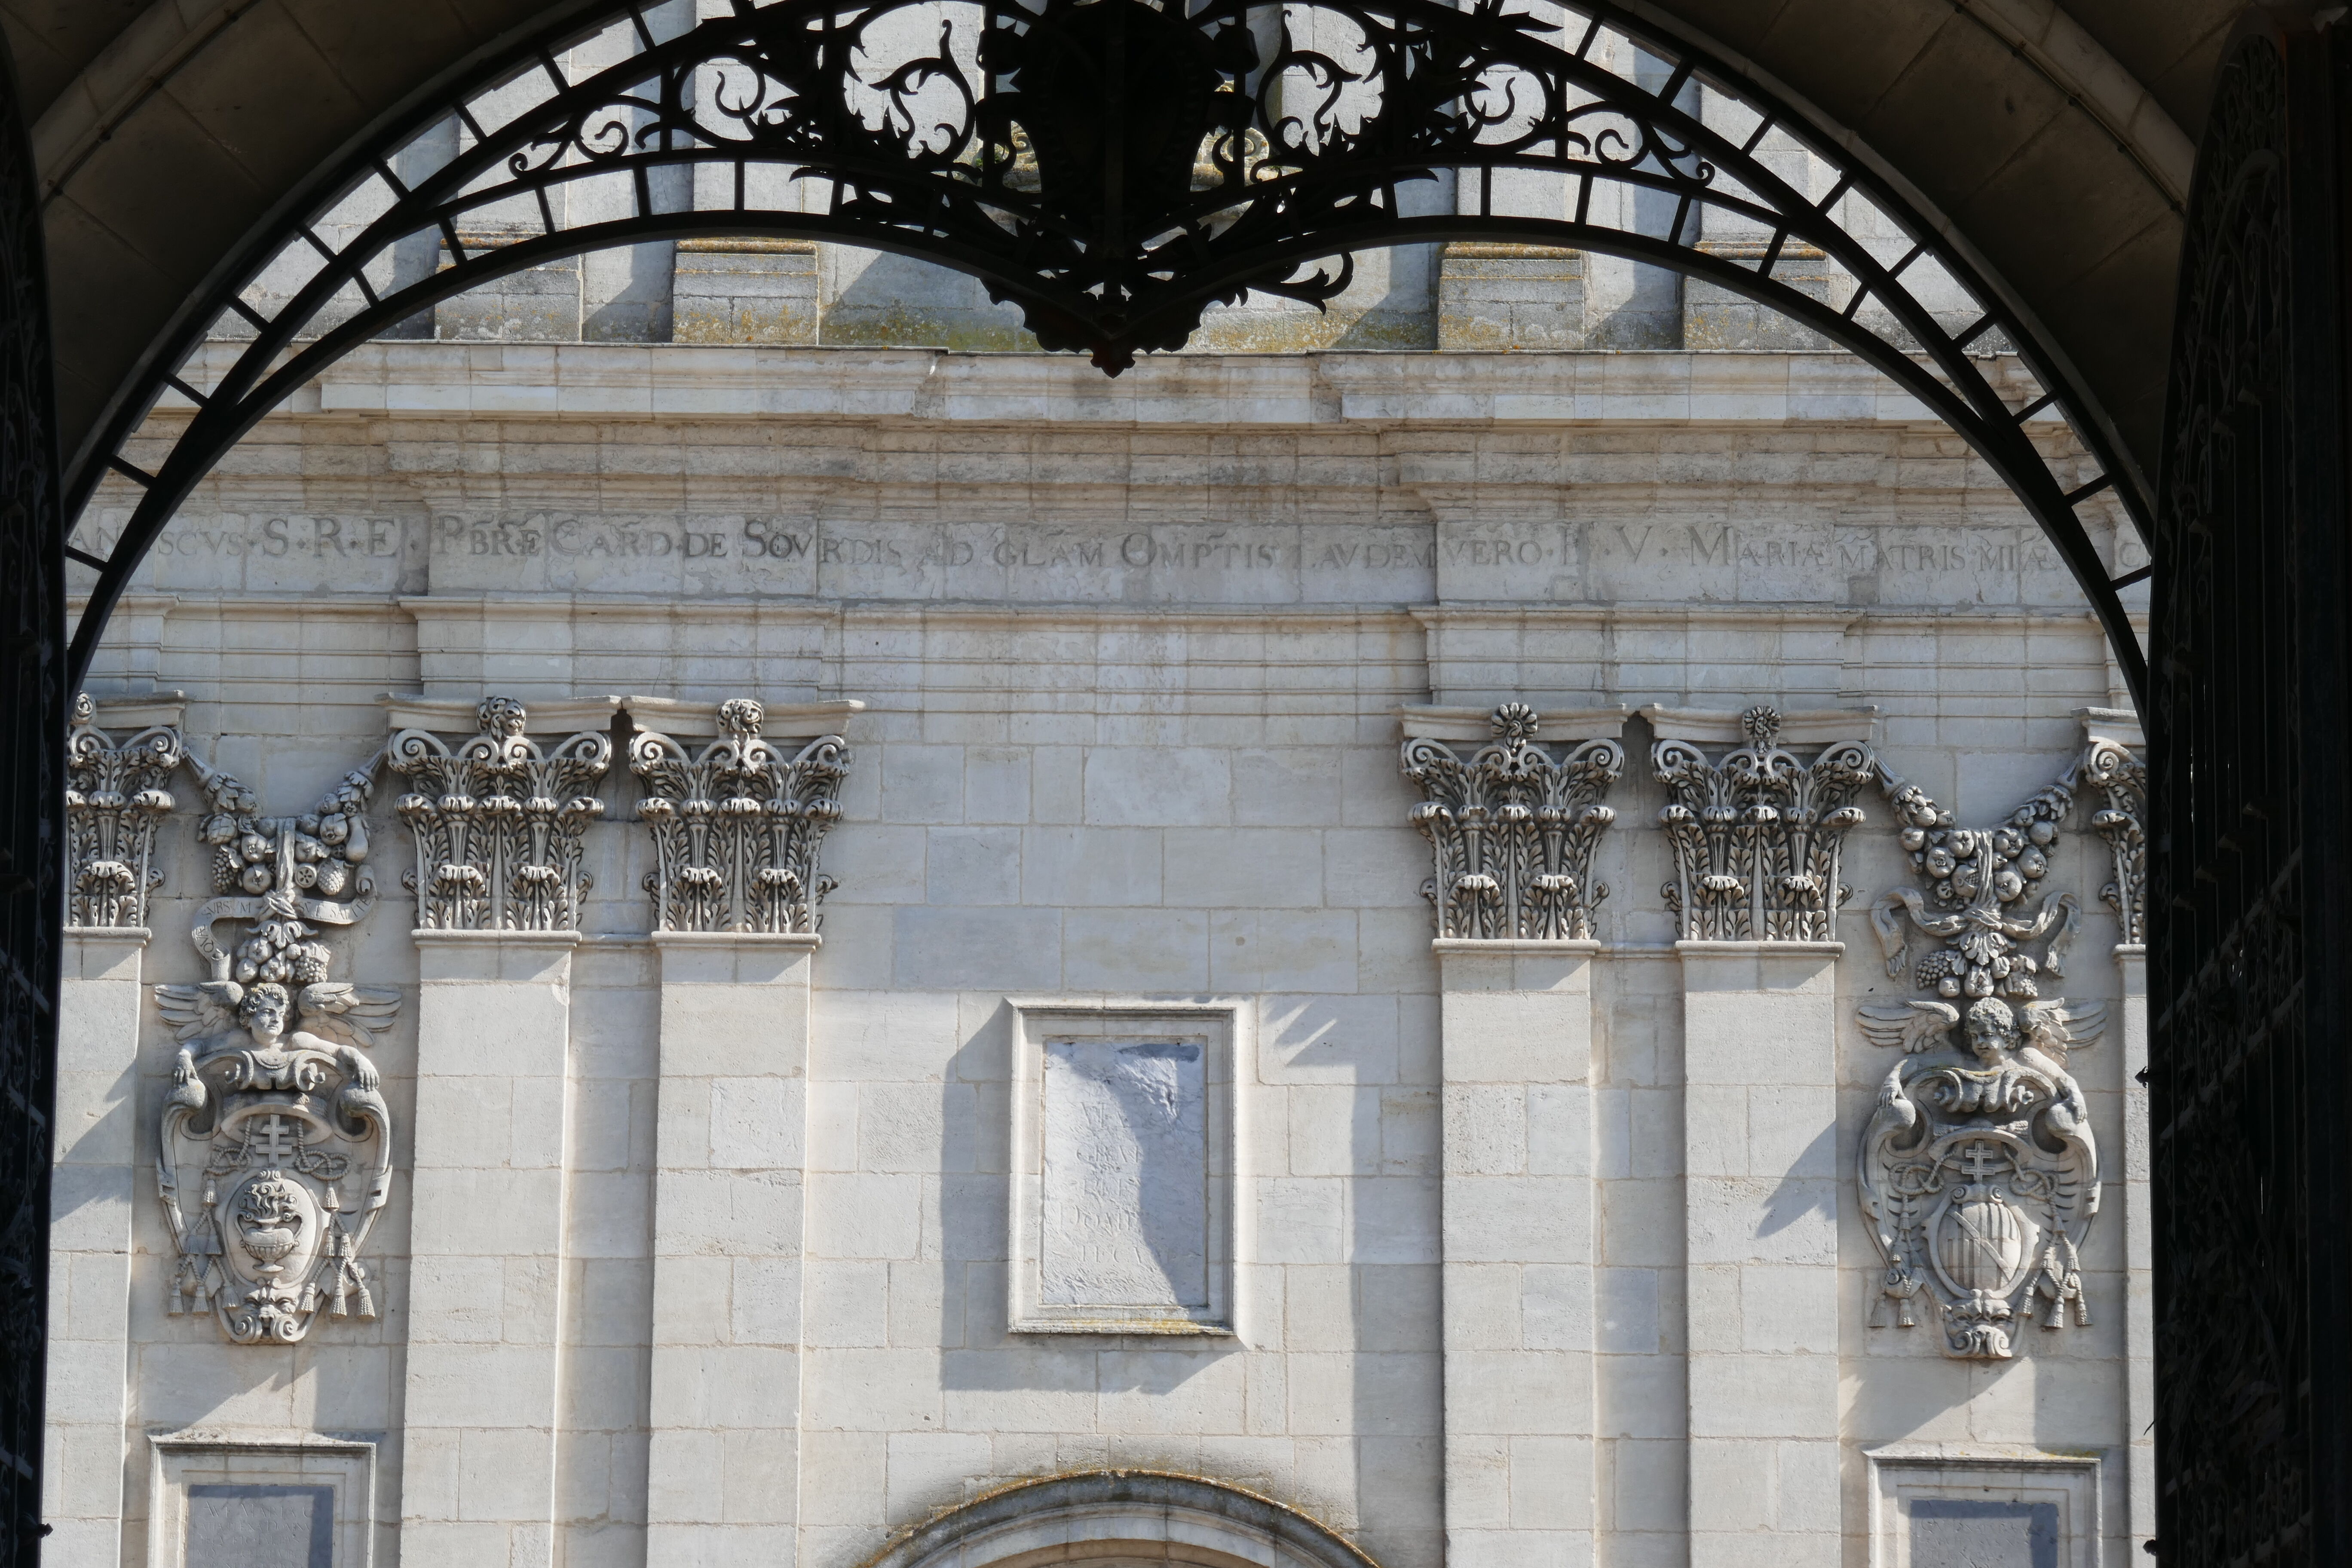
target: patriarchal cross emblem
<point>273,1149</point>
<point>1979,1173</point>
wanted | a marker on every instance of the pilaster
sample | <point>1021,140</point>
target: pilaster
<point>92,1201</point>
<point>724,1467</point>
<point>493,1031</point>
<point>1762,1161</point>
<point>1516,1029</point>
<point>2140,1248</point>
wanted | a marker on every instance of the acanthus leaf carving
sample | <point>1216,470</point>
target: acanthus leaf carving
<point>1979,1173</point>
<point>116,796</point>
<point>1511,830</point>
<point>496,823</point>
<point>1758,836</point>
<point>738,826</point>
<point>2110,767</point>
<point>274,1145</point>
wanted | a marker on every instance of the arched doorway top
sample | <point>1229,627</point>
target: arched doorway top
<point>168,133</point>
<point>1129,1517</point>
<point>1113,169</point>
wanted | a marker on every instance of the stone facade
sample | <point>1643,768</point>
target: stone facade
<point>767,1160</point>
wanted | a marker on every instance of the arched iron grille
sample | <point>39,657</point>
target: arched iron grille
<point>33,718</point>
<point>2247,1076</point>
<point>1114,168</point>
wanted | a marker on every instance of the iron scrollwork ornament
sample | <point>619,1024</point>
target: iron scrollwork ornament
<point>1511,830</point>
<point>1115,166</point>
<point>1112,169</point>
<point>273,1147</point>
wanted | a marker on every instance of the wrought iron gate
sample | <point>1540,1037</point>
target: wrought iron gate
<point>2248,944</point>
<point>32,809</point>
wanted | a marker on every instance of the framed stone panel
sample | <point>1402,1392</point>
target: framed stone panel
<point>1935,1507</point>
<point>1122,1192</point>
<point>222,1501</point>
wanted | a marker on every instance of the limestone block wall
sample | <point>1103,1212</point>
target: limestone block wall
<point>1136,661</point>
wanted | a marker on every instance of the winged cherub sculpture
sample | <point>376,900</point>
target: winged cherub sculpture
<point>1979,1173</point>
<point>273,1146</point>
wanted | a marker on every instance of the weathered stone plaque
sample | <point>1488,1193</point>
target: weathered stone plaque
<point>260,1526</point>
<point>1124,1191</point>
<point>1983,1533</point>
<point>1123,1173</point>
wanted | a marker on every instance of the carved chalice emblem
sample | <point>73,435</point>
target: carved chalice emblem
<point>269,1223</point>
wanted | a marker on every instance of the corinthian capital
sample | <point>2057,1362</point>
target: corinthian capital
<point>2117,771</point>
<point>737,825</point>
<point>1757,831</point>
<point>1512,823</point>
<point>497,821</point>
<point>116,796</point>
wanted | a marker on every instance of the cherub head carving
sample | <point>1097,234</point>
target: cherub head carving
<point>263,1010</point>
<point>740,717</point>
<point>1992,1029</point>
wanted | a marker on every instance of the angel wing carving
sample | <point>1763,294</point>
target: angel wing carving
<point>347,1015</point>
<point>195,1011</point>
<point>2057,1025</point>
<point>1915,1026</point>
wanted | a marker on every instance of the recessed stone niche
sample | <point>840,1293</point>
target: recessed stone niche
<point>1937,1507</point>
<point>1122,1191</point>
<point>220,1500</point>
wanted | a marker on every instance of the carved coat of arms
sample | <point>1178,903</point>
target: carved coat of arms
<point>274,1145</point>
<point>1979,1173</point>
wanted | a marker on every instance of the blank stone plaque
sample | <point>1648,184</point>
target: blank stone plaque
<point>261,1526</point>
<point>1971,1532</point>
<point>1121,1211</point>
<point>1125,1175</point>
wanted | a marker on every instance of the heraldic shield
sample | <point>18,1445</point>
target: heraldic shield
<point>1978,1173</point>
<point>273,1147</point>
